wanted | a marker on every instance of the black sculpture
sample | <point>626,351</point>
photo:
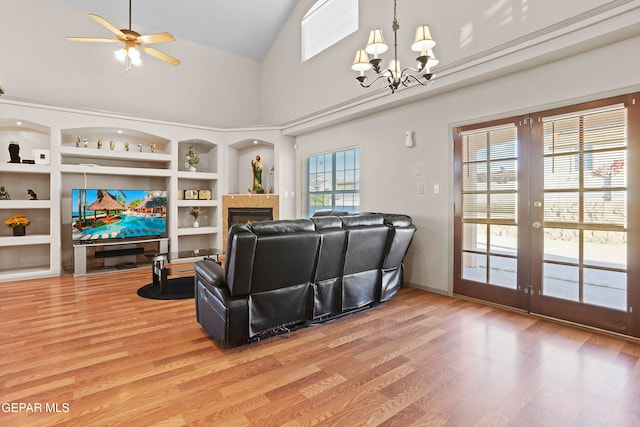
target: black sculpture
<point>14,152</point>
<point>33,195</point>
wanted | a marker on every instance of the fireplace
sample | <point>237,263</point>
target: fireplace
<point>243,203</point>
<point>245,215</point>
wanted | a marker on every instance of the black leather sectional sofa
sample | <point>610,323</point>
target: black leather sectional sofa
<point>291,272</point>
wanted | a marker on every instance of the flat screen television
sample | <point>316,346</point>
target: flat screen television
<point>103,214</point>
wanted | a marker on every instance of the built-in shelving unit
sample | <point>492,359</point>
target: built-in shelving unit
<point>72,149</point>
<point>37,253</point>
<point>205,177</point>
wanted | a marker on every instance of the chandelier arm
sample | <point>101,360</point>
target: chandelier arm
<point>405,81</point>
<point>382,76</point>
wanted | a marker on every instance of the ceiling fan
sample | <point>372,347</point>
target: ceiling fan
<point>131,40</point>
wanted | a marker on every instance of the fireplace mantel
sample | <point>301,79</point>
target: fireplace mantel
<point>247,201</point>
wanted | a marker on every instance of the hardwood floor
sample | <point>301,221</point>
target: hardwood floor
<point>97,353</point>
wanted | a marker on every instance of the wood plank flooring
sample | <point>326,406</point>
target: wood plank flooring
<point>90,352</point>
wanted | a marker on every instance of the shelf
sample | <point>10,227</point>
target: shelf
<point>190,203</point>
<point>25,204</point>
<point>26,168</point>
<point>29,239</point>
<point>27,273</point>
<point>111,170</point>
<point>197,175</point>
<point>194,231</point>
<point>106,153</point>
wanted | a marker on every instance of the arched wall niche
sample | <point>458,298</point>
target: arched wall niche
<point>241,153</point>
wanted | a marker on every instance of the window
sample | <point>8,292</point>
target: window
<point>326,23</point>
<point>333,181</point>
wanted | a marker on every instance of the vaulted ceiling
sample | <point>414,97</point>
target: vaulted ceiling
<point>246,27</point>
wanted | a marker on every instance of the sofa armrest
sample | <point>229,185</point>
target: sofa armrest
<point>210,272</point>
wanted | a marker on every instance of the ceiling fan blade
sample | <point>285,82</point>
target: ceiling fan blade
<point>92,40</point>
<point>157,38</point>
<point>163,56</point>
<point>100,20</point>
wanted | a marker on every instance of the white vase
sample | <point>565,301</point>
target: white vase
<point>195,224</point>
<point>192,168</point>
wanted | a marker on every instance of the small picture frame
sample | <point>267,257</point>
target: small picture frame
<point>204,194</point>
<point>191,194</point>
<point>41,157</point>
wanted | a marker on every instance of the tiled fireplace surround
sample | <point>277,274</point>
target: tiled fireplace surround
<point>247,201</point>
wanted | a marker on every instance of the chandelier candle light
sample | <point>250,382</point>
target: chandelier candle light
<point>394,75</point>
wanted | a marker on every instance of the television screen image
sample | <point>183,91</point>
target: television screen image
<point>100,214</point>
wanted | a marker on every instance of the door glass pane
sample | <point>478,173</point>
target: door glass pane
<point>474,206</point>
<point>561,281</point>
<point>475,177</point>
<point>489,195</point>
<point>474,237</point>
<point>605,249</point>
<point>504,239</point>
<point>562,172</point>
<point>474,267</point>
<point>605,288</point>
<point>562,207</point>
<point>503,272</point>
<point>561,244</point>
<point>587,154</point>
<point>503,206</point>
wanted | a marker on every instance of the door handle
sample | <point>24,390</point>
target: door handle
<point>536,224</point>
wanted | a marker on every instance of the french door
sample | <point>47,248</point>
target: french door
<point>545,209</point>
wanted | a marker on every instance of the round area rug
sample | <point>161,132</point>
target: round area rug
<point>179,288</point>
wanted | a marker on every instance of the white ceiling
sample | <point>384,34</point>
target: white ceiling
<point>246,27</point>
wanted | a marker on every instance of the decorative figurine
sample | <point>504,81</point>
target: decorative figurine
<point>3,194</point>
<point>112,145</point>
<point>33,195</point>
<point>152,146</point>
<point>77,141</point>
<point>256,168</point>
<point>126,146</point>
<point>99,143</point>
<point>140,147</point>
<point>85,142</point>
<point>14,152</point>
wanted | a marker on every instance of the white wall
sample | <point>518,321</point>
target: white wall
<point>389,171</point>
<point>468,34</point>
<point>210,87</point>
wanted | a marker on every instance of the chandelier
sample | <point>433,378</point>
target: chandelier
<point>394,76</point>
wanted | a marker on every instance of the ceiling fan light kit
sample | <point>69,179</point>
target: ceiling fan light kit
<point>132,41</point>
<point>394,76</point>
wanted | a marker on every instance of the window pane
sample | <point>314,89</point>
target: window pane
<point>326,23</point>
<point>334,189</point>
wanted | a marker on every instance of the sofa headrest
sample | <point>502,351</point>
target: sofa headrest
<point>361,220</point>
<point>268,228</point>
<point>327,222</point>
<point>328,212</point>
<point>396,220</point>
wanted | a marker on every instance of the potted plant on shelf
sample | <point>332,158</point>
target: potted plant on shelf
<point>195,212</point>
<point>18,223</point>
<point>192,159</point>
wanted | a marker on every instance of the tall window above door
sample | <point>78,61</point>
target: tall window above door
<point>326,23</point>
<point>333,181</point>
